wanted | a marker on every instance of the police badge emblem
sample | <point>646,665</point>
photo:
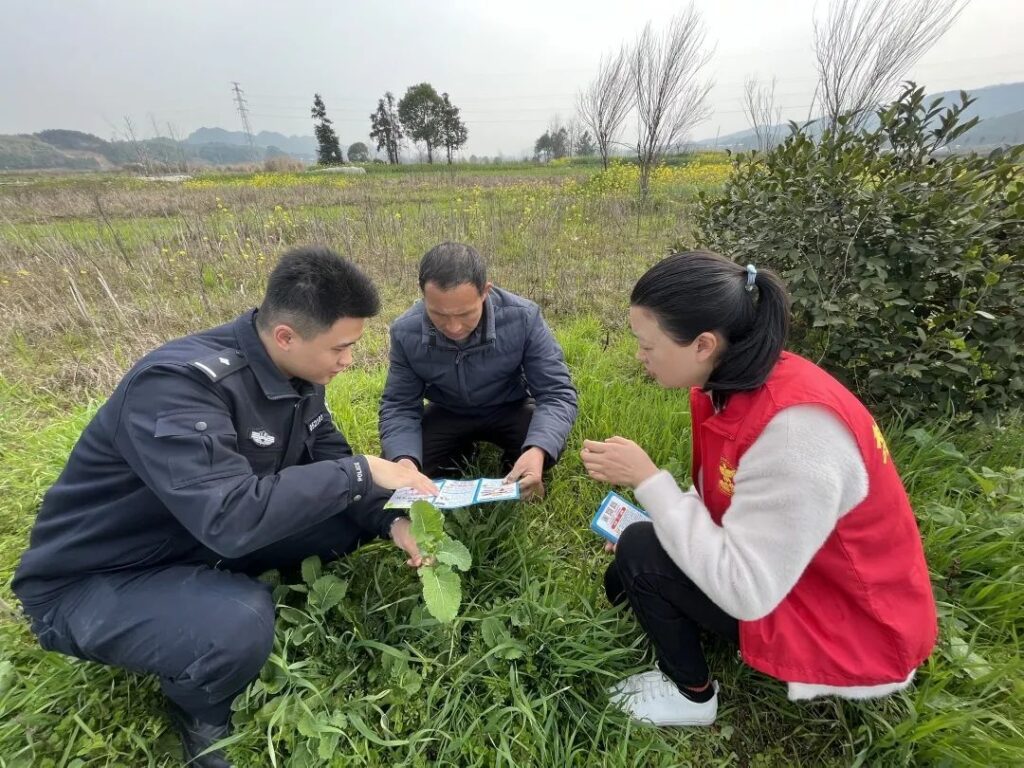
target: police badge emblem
<point>262,438</point>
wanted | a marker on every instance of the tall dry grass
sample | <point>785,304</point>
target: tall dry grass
<point>96,272</point>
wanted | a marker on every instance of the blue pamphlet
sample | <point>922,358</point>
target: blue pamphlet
<point>615,515</point>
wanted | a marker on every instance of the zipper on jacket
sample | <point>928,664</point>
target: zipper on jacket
<point>291,433</point>
<point>460,372</point>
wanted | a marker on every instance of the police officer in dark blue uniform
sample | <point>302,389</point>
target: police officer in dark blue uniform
<point>214,459</point>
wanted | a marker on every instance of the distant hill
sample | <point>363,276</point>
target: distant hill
<point>73,140</point>
<point>25,152</point>
<point>73,150</point>
<point>998,131</point>
<point>303,147</point>
<point>1000,107</point>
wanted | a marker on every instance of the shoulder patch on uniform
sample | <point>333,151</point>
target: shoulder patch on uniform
<point>220,364</point>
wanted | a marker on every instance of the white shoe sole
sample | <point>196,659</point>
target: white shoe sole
<point>678,723</point>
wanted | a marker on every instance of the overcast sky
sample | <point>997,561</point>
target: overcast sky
<point>510,66</point>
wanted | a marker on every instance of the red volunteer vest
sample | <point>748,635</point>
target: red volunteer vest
<point>863,612</point>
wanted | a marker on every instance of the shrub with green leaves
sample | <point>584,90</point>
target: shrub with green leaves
<point>903,257</point>
<point>442,587</point>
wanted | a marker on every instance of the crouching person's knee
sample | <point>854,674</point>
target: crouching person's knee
<point>238,642</point>
<point>634,549</point>
<point>250,636</point>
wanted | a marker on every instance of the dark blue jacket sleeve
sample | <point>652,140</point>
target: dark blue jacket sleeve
<point>548,380</point>
<point>177,434</point>
<point>401,408</point>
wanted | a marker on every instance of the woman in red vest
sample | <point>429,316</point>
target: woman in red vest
<point>796,541</point>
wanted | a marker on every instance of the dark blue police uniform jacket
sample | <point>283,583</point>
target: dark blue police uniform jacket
<point>204,452</point>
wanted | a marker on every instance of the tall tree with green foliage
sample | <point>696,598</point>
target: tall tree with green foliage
<point>358,153</point>
<point>552,145</point>
<point>559,143</point>
<point>422,113</point>
<point>328,150</point>
<point>453,130</point>
<point>585,145</point>
<point>386,128</point>
<point>542,147</point>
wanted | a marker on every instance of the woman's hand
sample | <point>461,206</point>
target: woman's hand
<point>617,461</point>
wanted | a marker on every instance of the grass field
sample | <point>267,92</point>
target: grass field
<point>95,270</point>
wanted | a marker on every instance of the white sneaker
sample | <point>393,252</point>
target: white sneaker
<point>634,683</point>
<point>652,698</point>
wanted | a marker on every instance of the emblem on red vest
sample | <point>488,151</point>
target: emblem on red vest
<point>726,475</point>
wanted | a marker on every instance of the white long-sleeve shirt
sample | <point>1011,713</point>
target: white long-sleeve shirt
<point>792,486</point>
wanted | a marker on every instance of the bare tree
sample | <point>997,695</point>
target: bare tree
<point>179,164</point>
<point>179,147</point>
<point>671,96</point>
<point>864,47</point>
<point>762,113</point>
<point>573,129</point>
<point>140,150</point>
<point>607,100</point>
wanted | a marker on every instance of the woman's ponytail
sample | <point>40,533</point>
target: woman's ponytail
<point>749,356</point>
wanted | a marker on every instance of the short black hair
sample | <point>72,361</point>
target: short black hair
<point>311,288</point>
<point>697,291</point>
<point>452,264</point>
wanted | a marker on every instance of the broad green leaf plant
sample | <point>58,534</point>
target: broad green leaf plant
<point>442,587</point>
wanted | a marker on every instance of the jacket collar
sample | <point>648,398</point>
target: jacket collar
<point>433,337</point>
<point>272,381</point>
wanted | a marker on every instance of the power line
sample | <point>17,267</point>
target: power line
<point>467,98</point>
<point>543,120</point>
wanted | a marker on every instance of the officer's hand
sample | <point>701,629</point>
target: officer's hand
<point>402,536</point>
<point>388,474</point>
<point>407,462</point>
<point>529,471</point>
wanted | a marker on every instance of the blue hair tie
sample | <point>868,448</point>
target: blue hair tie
<point>751,276</point>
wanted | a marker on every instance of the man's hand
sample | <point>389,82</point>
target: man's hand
<point>388,474</point>
<point>405,461</point>
<point>401,534</point>
<point>617,461</point>
<point>529,471</point>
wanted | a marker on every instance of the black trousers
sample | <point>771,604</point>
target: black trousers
<point>670,607</point>
<point>449,439</point>
<point>204,631</point>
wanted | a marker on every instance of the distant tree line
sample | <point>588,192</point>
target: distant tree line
<point>569,140</point>
<point>421,115</point>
